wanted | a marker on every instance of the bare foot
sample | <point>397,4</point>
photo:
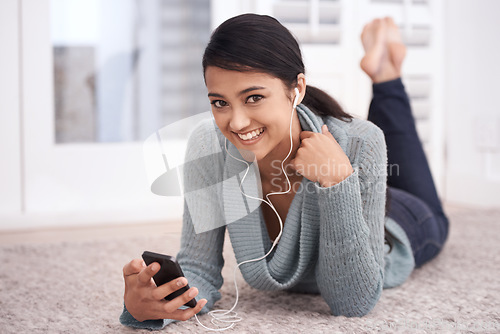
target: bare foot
<point>374,42</point>
<point>397,50</point>
<point>384,50</point>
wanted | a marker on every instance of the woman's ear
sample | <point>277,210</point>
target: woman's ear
<point>301,85</point>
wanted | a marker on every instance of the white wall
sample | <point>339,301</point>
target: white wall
<point>10,141</point>
<point>472,107</point>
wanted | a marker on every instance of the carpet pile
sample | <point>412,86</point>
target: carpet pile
<point>77,287</point>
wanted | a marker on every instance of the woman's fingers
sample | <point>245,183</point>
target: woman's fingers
<point>133,267</point>
<point>324,130</point>
<point>147,273</point>
<point>171,309</point>
<point>186,314</point>
<point>321,159</point>
<point>164,290</point>
<point>146,301</point>
<point>177,302</point>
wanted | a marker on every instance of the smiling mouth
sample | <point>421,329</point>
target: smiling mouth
<point>251,135</point>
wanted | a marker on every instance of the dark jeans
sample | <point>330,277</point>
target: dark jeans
<point>413,200</point>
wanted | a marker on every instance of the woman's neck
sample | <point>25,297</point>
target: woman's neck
<point>270,165</point>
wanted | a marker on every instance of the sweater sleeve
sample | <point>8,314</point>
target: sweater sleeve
<point>203,230</point>
<point>350,268</point>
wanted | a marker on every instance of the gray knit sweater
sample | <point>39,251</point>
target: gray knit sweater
<point>333,238</point>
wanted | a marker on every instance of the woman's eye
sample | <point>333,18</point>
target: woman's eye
<point>254,98</point>
<point>219,103</point>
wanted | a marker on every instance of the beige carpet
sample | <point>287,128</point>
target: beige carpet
<point>77,287</point>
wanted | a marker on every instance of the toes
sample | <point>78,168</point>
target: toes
<point>390,22</point>
<point>367,28</point>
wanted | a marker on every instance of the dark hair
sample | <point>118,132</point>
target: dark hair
<point>252,42</point>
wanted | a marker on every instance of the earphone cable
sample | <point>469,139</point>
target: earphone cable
<point>230,316</point>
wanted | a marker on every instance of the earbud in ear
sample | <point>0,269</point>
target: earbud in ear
<point>296,97</point>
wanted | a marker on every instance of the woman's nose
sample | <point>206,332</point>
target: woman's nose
<point>239,120</point>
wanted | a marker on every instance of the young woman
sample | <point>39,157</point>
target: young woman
<point>335,219</point>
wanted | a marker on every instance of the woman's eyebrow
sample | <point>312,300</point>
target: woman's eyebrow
<point>244,91</point>
<point>249,89</point>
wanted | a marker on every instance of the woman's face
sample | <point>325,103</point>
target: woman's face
<point>253,111</point>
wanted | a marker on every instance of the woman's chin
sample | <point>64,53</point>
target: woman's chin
<point>249,156</point>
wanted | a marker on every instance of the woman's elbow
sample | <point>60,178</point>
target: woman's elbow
<point>357,304</point>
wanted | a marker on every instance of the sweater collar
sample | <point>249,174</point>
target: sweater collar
<point>309,121</point>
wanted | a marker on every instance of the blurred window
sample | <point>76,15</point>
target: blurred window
<point>125,68</point>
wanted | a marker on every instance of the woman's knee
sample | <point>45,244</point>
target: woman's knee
<point>427,253</point>
<point>435,241</point>
<point>445,227</point>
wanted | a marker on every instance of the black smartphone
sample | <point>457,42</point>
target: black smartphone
<point>170,270</point>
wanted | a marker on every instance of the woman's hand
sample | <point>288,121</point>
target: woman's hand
<point>145,301</point>
<point>321,159</point>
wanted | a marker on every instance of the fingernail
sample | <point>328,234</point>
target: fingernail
<point>204,302</point>
<point>155,267</point>
<point>193,293</point>
<point>181,282</point>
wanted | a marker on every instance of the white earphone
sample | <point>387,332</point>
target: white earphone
<point>231,317</point>
<point>296,97</point>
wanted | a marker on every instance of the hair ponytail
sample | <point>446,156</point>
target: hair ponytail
<point>323,104</point>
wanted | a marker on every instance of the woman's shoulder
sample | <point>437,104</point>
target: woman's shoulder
<point>358,128</point>
<point>205,129</point>
<point>364,142</point>
<point>203,154</point>
<point>357,131</point>
<point>205,138</point>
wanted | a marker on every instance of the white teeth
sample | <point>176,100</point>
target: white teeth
<point>251,135</point>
